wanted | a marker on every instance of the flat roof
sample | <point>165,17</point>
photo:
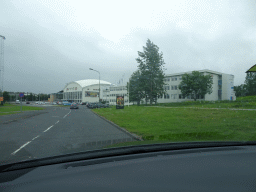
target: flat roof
<point>204,70</point>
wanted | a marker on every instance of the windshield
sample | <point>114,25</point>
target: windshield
<point>80,76</point>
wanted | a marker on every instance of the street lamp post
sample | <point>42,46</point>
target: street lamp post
<point>99,81</point>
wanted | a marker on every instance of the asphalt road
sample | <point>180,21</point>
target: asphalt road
<point>55,131</point>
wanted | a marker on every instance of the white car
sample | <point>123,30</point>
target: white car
<point>17,101</point>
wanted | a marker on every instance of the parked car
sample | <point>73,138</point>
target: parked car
<point>100,105</point>
<point>27,102</point>
<point>17,101</point>
<point>83,103</point>
<point>92,105</point>
<point>106,105</point>
<point>74,106</point>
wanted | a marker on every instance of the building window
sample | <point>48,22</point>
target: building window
<point>175,87</point>
<point>181,78</point>
<point>166,96</point>
<point>167,87</point>
<point>172,87</point>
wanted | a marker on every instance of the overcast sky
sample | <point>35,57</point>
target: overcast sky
<point>52,42</point>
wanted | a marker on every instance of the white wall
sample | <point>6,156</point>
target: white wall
<point>214,95</point>
<point>72,87</point>
<point>227,85</point>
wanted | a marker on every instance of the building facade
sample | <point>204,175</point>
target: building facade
<point>113,92</point>
<point>222,87</point>
<point>88,90</point>
<point>84,90</point>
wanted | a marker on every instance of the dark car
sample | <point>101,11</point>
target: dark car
<point>92,105</point>
<point>27,102</point>
<point>83,103</point>
<point>106,105</point>
<point>100,105</point>
<point>74,106</point>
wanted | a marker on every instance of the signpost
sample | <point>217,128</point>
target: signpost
<point>1,100</point>
<point>21,95</point>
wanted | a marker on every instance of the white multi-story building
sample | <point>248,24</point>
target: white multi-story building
<point>222,88</point>
<point>113,91</point>
<point>88,90</point>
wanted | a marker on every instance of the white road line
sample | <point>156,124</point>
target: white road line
<point>57,122</point>
<point>21,147</point>
<point>35,137</point>
<point>48,128</point>
<point>67,114</point>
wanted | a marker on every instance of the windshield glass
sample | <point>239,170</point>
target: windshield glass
<point>80,76</point>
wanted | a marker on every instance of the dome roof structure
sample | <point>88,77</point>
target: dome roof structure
<point>88,82</point>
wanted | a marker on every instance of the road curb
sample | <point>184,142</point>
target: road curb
<point>136,137</point>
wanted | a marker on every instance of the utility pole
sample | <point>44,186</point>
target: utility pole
<point>99,81</point>
<point>2,63</point>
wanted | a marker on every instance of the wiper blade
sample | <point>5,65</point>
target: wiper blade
<point>120,151</point>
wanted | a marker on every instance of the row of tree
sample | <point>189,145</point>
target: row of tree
<point>249,86</point>
<point>147,82</point>
<point>30,97</point>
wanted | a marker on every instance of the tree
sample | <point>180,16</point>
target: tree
<point>6,96</point>
<point>151,71</point>
<point>240,90</point>
<point>135,87</point>
<point>250,83</point>
<point>195,84</point>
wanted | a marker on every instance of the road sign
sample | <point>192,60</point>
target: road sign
<point>21,94</point>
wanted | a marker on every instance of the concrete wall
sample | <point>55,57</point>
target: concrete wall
<point>228,87</point>
<point>214,95</point>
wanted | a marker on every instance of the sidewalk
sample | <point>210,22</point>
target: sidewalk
<point>5,119</point>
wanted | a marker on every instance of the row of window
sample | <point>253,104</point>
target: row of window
<point>114,100</point>
<point>72,95</point>
<point>113,95</point>
<point>118,88</point>
<point>175,96</point>
<point>173,78</point>
<point>173,87</point>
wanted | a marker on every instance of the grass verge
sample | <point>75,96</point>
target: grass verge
<point>184,124</point>
<point>8,109</point>
<point>248,102</point>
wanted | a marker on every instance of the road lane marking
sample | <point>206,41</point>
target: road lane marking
<point>48,128</point>
<point>67,114</point>
<point>35,137</point>
<point>21,147</point>
<point>57,122</point>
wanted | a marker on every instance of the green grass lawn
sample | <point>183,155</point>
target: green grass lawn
<point>248,102</point>
<point>156,124</point>
<point>8,109</point>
